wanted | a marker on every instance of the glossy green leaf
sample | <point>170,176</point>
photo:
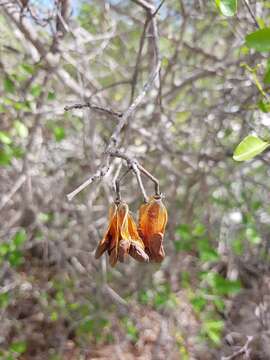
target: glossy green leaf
<point>249,148</point>
<point>227,7</point>
<point>259,40</point>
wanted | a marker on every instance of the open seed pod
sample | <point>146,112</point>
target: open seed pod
<point>136,249</point>
<point>121,238</point>
<point>152,222</point>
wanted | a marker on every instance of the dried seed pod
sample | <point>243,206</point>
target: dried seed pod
<point>111,234</point>
<point>152,222</point>
<point>123,250</point>
<point>136,249</point>
<point>121,237</point>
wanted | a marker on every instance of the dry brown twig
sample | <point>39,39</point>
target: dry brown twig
<point>245,350</point>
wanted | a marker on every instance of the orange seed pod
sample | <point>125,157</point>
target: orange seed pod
<point>152,222</point>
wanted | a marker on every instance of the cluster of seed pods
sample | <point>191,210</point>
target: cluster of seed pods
<point>142,241</point>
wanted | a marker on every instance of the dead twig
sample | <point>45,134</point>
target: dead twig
<point>245,350</point>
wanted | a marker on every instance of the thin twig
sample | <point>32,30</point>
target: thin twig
<point>97,176</point>
<point>93,107</point>
<point>12,192</point>
<point>140,183</point>
<point>117,183</point>
<point>251,13</point>
<point>125,117</point>
<point>151,177</point>
<point>244,350</point>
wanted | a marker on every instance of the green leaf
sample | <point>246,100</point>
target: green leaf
<point>9,85</point>
<point>15,258</point>
<point>4,249</point>
<point>227,7</point>
<point>264,106</point>
<point>184,231</point>
<point>35,90</point>
<point>51,95</point>
<point>206,251</point>
<point>266,78</point>
<point>4,301</point>
<point>222,286</point>
<point>213,329</point>
<point>59,133</point>
<point>4,138</point>
<point>28,68</point>
<point>54,316</point>
<point>198,303</point>
<point>19,238</point>
<point>259,40</point>
<point>87,326</point>
<point>18,347</point>
<point>249,147</point>
<point>6,155</point>
<point>131,329</point>
<point>21,129</point>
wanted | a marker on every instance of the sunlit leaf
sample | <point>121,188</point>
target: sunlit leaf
<point>227,7</point>
<point>21,129</point>
<point>259,40</point>
<point>4,138</point>
<point>249,148</point>
<point>6,155</point>
<point>213,329</point>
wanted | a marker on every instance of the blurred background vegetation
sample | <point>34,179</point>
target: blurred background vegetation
<point>210,297</point>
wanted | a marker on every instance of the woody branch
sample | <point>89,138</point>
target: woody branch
<point>124,118</point>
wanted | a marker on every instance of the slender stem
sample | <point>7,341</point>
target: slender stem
<point>251,14</point>
<point>137,173</point>
<point>117,184</point>
<point>93,107</point>
<point>151,177</point>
